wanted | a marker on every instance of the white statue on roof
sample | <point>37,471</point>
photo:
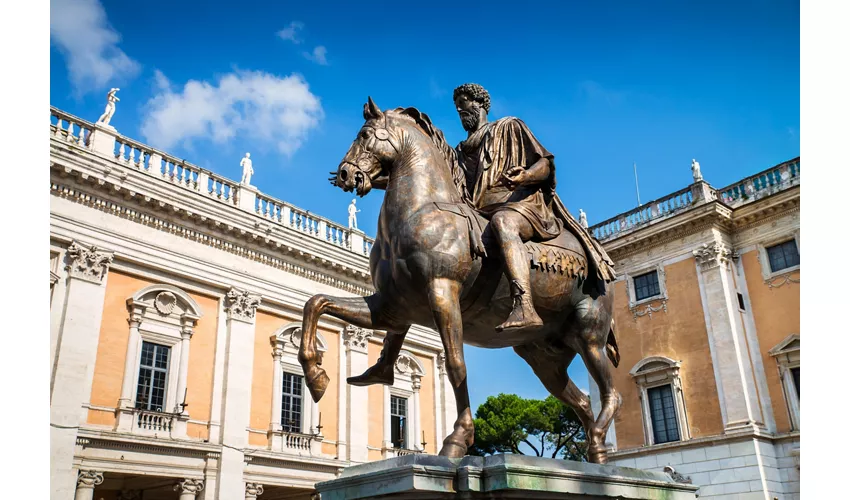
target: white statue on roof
<point>352,214</point>
<point>695,171</point>
<point>247,169</point>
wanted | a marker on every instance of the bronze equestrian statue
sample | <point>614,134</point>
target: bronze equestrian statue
<point>433,261</point>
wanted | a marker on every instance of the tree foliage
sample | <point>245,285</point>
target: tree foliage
<point>549,428</point>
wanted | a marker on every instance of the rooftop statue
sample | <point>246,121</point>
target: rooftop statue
<point>474,242</point>
<point>111,99</point>
<point>247,169</point>
<point>352,214</point>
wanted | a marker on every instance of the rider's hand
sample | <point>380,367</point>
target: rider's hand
<point>514,177</point>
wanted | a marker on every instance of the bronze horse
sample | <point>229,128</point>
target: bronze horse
<point>426,270</point>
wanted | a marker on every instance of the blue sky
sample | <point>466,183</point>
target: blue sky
<point>601,84</point>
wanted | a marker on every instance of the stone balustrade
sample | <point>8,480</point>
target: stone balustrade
<point>749,189</point>
<point>296,441</point>
<point>182,174</point>
<point>153,421</point>
<point>643,214</point>
<point>764,183</point>
<point>67,127</point>
<point>400,452</point>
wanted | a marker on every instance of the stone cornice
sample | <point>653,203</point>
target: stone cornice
<point>700,442</point>
<point>269,251</point>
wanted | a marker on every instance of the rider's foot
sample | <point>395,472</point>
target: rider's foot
<point>523,314</point>
<point>380,373</point>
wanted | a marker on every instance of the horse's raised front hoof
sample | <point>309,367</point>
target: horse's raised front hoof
<point>374,375</point>
<point>597,455</point>
<point>453,450</point>
<point>318,384</point>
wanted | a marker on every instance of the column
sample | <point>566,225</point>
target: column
<point>189,488</point>
<point>86,481</point>
<point>240,307</point>
<point>76,353</point>
<point>386,419</point>
<point>253,490</point>
<point>187,326</point>
<point>417,413</point>
<point>356,344</point>
<point>124,423</point>
<point>727,340</point>
<point>275,428</point>
<point>438,403</point>
<point>342,407</point>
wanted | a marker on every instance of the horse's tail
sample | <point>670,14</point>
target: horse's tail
<point>611,348</point>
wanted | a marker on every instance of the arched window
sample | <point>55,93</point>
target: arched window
<point>162,319</point>
<point>787,356</point>
<point>662,402</point>
<point>295,418</point>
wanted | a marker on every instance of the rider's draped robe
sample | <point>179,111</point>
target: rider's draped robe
<point>493,150</point>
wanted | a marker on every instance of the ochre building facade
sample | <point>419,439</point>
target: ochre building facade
<point>176,299</point>
<point>708,324</point>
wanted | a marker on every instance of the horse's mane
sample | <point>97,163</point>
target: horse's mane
<point>424,122</point>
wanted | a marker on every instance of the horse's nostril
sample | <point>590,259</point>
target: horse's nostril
<point>343,174</point>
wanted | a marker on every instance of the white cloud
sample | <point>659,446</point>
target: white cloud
<point>318,56</point>
<point>291,32</point>
<point>82,33</point>
<point>258,106</point>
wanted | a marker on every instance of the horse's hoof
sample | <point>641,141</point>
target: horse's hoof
<point>597,456</point>
<point>318,384</point>
<point>453,450</point>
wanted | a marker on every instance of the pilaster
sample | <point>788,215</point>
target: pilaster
<point>188,489</point>
<point>76,353</point>
<point>356,346</point>
<point>240,307</point>
<point>727,339</point>
<point>253,490</point>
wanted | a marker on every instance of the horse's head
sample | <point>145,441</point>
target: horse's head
<point>366,164</point>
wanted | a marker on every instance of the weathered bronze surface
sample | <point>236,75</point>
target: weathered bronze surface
<point>474,243</point>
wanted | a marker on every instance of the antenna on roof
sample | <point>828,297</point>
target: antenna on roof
<point>637,187</point>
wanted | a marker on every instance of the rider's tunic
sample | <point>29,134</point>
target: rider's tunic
<point>494,149</point>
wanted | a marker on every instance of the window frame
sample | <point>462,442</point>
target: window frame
<point>406,428</point>
<point>303,411</point>
<point>656,371</point>
<point>787,356</point>
<point>631,289</point>
<point>652,422</point>
<point>157,334</point>
<point>764,258</point>
<point>153,369</point>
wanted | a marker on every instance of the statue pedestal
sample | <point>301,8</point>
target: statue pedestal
<point>102,139</point>
<point>248,198</point>
<point>414,477</point>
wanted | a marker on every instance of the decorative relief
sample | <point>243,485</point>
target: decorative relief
<point>781,280</point>
<point>89,264</point>
<point>441,362</point>
<point>89,479</point>
<point>711,255</point>
<point>406,364</point>
<point>253,490</point>
<point>637,313</point>
<point>676,476</point>
<point>356,337</point>
<point>193,486</point>
<point>165,302</point>
<point>241,304</point>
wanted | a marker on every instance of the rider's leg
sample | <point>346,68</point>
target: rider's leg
<point>511,229</point>
<point>382,371</point>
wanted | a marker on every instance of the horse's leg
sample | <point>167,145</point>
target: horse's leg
<point>383,371</point>
<point>364,312</point>
<point>551,368</point>
<point>444,298</point>
<point>595,323</point>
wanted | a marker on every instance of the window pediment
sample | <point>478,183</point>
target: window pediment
<point>788,345</point>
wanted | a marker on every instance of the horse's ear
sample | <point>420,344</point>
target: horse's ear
<point>371,110</point>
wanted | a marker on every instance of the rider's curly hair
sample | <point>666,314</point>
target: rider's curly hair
<point>476,93</point>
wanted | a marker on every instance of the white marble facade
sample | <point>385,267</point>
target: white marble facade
<point>116,205</point>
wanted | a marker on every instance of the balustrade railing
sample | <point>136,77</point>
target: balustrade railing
<point>67,127</point>
<point>643,214</point>
<point>762,184</point>
<point>179,172</point>
<point>400,452</point>
<point>296,441</point>
<point>154,421</point>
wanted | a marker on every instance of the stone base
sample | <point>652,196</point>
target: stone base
<point>500,476</point>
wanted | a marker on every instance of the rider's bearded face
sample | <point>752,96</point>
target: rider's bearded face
<point>468,110</point>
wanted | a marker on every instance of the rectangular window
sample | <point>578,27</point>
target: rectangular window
<point>646,285</point>
<point>665,427</point>
<point>795,372</point>
<point>290,416</point>
<point>741,302</point>
<point>153,368</point>
<point>398,420</point>
<point>783,256</point>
